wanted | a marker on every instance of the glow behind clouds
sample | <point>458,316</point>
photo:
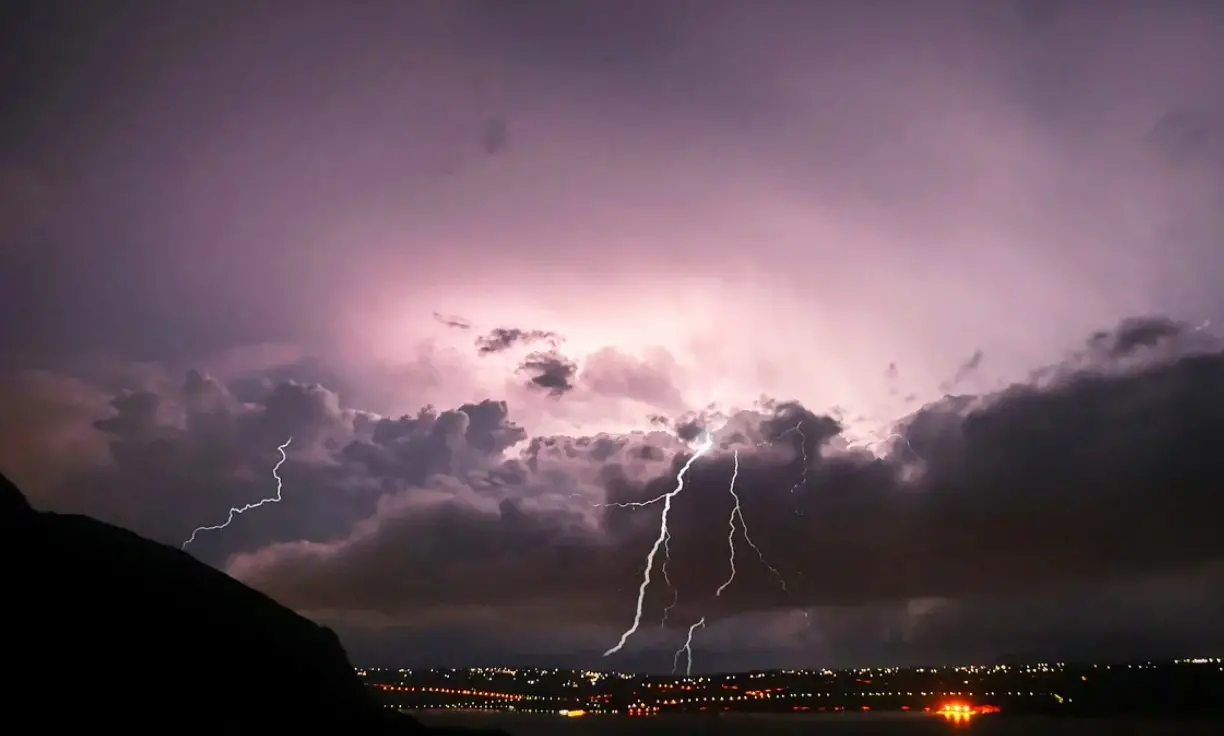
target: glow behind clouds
<point>709,201</point>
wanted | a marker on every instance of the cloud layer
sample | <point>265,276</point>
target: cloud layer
<point>1102,470</point>
<point>632,222</point>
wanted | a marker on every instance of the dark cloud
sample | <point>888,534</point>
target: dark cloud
<point>413,449</point>
<point>451,320</point>
<point>503,338</point>
<point>690,430</point>
<point>1103,476</point>
<point>1103,473</point>
<point>550,371</point>
<point>963,372</point>
<point>1132,334</point>
<point>649,452</point>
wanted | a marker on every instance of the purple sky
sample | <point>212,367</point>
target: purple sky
<point>861,207</point>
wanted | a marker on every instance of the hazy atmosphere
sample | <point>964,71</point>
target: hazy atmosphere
<point>931,290</point>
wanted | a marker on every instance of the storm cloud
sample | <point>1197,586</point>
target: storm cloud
<point>503,338</point>
<point>494,266</point>
<point>1028,488</point>
<point>1107,474</point>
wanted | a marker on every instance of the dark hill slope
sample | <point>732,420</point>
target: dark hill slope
<point>103,627</point>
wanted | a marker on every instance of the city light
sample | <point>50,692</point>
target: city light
<point>954,693</point>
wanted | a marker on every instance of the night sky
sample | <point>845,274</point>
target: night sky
<point>939,278</point>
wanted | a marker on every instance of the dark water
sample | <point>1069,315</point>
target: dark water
<point>824,725</point>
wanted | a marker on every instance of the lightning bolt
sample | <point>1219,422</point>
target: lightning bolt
<point>243,509</point>
<point>737,512</point>
<point>667,579</point>
<point>687,649</point>
<point>663,541</point>
<point>660,541</point>
<point>874,444</point>
<point>803,478</point>
<point>803,450</point>
<point>735,522</point>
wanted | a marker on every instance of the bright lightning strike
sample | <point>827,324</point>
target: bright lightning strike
<point>737,512</point>
<point>734,522</point>
<point>687,649</point>
<point>243,509</point>
<point>664,541</point>
<point>660,541</point>
<point>798,428</point>
<point>667,579</point>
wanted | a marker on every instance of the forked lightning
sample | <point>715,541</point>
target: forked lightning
<point>702,448</point>
<point>737,512</point>
<point>687,649</point>
<point>233,512</point>
<point>663,541</point>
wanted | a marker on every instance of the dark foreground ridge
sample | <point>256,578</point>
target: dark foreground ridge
<point>106,628</point>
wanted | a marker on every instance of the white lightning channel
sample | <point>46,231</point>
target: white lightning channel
<point>876,445</point>
<point>737,512</point>
<point>661,540</point>
<point>667,579</point>
<point>803,451</point>
<point>687,649</point>
<point>233,512</point>
<point>664,539</point>
<point>731,528</point>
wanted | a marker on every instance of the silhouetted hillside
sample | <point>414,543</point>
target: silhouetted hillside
<point>104,627</point>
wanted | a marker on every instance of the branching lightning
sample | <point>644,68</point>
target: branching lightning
<point>875,444</point>
<point>798,428</point>
<point>663,541</point>
<point>233,512</point>
<point>735,522</point>
<point>687,649</point>
<point>738,512</point>
<point>660,541</point>
<point>667,579</point>
<point>735,511</point>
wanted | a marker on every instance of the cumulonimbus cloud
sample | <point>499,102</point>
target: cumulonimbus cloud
<point>1091,473</point>
<point>1028,488</point>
